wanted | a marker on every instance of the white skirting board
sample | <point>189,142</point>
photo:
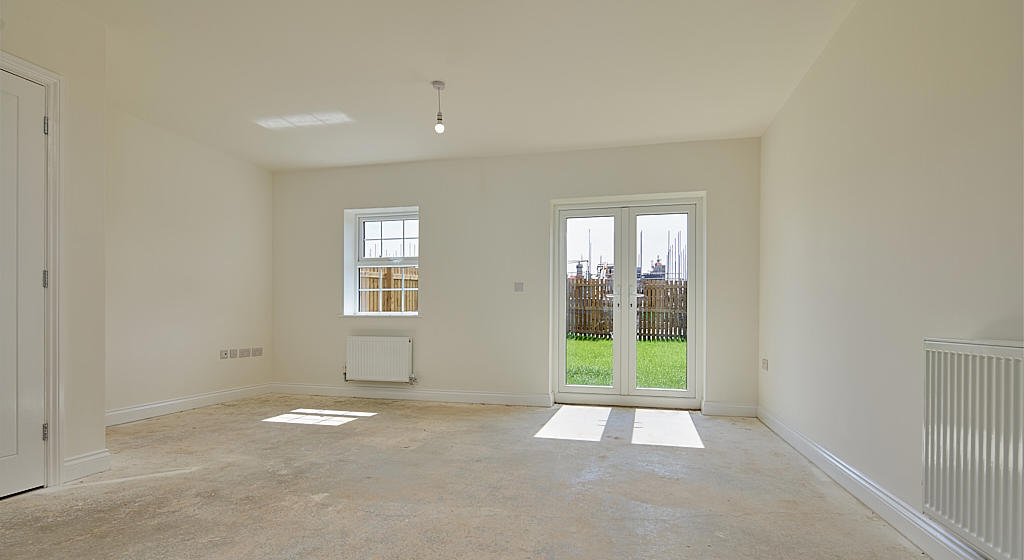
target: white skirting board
<point>151,410</point>
<point>159,408</point>
<point>719,408</point>
<point>83,465</point>
<point>413,394</point>
<point>928,535</point>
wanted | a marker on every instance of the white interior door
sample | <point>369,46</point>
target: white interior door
<point>22,257</point>
<point>627,284</point>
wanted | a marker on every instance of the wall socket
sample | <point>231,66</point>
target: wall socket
<point>764,364</point>
<point>519,286</point>
<point>255,352</point>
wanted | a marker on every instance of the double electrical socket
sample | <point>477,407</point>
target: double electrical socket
<point>255,352</point>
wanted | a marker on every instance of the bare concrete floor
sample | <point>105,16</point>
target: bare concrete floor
<point>427,480</point>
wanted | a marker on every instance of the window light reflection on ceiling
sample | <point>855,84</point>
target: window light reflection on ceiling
<point>304,119</point>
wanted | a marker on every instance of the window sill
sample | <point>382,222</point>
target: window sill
<point>376,315</point>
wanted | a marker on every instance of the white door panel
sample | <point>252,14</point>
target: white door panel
<point>589,304</point>
<point>661,328</point>
<point>22,254</point>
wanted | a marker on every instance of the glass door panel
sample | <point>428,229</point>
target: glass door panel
<point>590,304</point>
<point>660,300</point>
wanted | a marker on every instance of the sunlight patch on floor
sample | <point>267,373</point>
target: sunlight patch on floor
<point>310,419</point>
<point>580,423</point>
<point>672,428</point>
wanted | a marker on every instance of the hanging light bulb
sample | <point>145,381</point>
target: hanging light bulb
<point>439,126</point>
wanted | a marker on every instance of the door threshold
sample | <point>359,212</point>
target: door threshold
<point>643,401</point>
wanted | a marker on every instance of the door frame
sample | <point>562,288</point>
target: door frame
<point>696,341</point>
<point>53,382</point>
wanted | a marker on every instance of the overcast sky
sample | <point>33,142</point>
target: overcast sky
<point>655,227</point>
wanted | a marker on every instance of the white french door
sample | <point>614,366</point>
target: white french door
<point>22,254</point>
<point>629,299</point>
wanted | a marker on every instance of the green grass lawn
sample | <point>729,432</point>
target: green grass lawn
<point>661,364</point>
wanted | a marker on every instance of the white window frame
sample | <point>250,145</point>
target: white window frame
<point>354,259</point>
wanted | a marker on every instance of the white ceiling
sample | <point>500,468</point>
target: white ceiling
<point>523,76</point>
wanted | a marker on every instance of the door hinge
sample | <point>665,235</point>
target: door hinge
<point>46,125</point>
<point>46,431</point>
<point>46,278</point>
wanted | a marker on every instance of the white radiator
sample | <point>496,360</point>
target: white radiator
<point>974,443</point>
<point>379,358</point>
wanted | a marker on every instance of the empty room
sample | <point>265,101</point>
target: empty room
<point>708,279</point>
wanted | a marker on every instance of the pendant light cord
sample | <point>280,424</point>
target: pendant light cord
<point>439,126</point>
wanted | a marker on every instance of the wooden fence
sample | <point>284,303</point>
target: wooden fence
<point>661,308</point>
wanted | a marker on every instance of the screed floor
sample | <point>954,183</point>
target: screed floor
<point>428,480</point>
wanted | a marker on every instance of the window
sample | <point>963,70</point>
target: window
<point>386,273</point>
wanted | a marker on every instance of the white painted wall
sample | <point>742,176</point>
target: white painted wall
<point>891,210</point>
<point>64,39</point>
<point>188,267</point>
<point>485,223</point>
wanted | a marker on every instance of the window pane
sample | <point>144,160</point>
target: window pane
<point>412,247</point>
<point>369,278</point>
<point>392,229</point>
<point>412,300</point>
<point>392,279</point>
<point>392,301</point>
<point>369,302</point>
<point>412,228</point>
<point>371,230</point>
<point>589,301</point>
<point>391,248</point>
<point>412,277</point>
<point>371,249</point>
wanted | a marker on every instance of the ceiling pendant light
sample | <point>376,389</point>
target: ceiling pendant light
<point>439,127</point>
